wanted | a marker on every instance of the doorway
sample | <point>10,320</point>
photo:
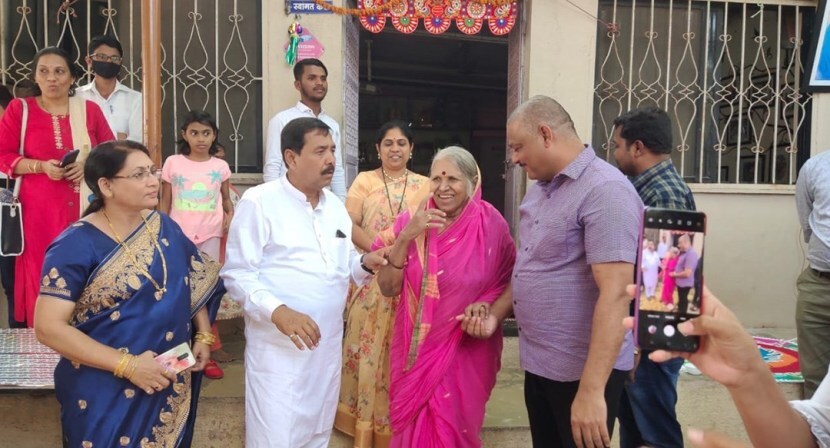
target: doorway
<point>450,87</point>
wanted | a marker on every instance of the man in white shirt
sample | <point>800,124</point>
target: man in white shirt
<point>311,80</point>
<point>122,106</point>
<point>289,261</point>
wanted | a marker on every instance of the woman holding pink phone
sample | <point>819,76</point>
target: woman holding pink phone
<point>119,287</point>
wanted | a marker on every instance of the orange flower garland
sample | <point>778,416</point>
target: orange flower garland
<point>377,10</point>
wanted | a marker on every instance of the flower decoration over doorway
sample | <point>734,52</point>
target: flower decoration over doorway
<point>438,15</point>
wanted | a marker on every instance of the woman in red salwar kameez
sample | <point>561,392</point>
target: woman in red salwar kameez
<point>49,194</point>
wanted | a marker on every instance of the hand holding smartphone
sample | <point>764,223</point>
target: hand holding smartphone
<point>69,158</point>
<point>669,278</point>
<point>177,358</point>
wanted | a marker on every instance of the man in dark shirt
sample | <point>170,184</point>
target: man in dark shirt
<point>643,145</point>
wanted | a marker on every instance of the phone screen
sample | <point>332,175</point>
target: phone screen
<point>670,278</point>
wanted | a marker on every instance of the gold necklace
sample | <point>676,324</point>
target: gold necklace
<point>160,290</point>
<point>394,179</point>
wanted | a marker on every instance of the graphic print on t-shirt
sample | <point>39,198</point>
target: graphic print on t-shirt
<point>199,194</point>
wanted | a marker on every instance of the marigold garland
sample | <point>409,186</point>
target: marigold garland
<point>386,6</point>
<point>358,11</point>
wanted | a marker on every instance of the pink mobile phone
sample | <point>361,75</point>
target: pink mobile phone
<point>177,358</point>
<point>69,157</point>
<point>669,278</point>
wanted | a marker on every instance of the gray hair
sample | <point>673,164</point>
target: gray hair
<point>541,110</point>
<point>465,162</point>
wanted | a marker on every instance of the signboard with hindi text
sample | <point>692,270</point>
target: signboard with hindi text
<point>307,7</point>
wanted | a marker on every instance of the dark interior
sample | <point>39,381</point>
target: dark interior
<point>451,87</point>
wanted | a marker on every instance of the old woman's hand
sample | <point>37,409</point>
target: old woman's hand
<point>424,219</point>
<point>477,321</point>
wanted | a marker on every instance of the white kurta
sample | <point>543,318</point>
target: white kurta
<point>650,265</point>
<point>281,251</point>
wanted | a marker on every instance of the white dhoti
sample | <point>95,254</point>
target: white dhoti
<point>651,266</point>
<point>281,251</point>
<point>291,395</point>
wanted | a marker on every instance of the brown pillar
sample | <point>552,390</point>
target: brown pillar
<point>151,73</point>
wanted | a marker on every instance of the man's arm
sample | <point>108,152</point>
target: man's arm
<point>338,182</point>
<point>135,131</point>
<point>273,154</point>
<point>589,410</point>
<point>804,200</point>
<point>611,216</point>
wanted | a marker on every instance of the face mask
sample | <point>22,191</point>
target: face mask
<point>105,69</point>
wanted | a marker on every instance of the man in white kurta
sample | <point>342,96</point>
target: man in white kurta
<point>289,261</point>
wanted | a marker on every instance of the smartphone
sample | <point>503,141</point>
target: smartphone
<point>669,278</point>
<point>177,358</point>
<point>69,157</point>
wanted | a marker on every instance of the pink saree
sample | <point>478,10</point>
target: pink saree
<point>441,378</point>
<point>667,295</point>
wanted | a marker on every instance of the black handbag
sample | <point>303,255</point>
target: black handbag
<point>11,213</point>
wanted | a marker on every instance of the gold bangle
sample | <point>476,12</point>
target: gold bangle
<point>132,366</point>
<point>205,337</point>
<point>33,167</point>
<point>118,372</point>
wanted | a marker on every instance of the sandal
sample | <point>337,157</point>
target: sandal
<point>213,371</point>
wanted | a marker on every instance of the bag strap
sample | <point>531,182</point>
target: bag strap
<point>19,180</point>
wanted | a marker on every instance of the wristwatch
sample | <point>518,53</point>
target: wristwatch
<point>365,268</point>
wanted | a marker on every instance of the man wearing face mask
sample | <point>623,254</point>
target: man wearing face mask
<point>122,106</point>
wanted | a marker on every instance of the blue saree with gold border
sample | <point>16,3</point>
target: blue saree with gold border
<point>117,306</point>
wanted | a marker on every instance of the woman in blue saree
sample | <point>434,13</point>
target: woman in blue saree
<point>120,286</point>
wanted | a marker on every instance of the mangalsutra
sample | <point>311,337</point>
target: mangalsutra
<point>403,194</point>
<point>160,289</point>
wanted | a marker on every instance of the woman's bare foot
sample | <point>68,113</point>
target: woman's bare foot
<point>222,356</point>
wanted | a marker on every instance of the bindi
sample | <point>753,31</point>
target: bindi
<point>443,173</point>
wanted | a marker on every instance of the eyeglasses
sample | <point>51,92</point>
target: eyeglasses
<point>142,175</point>
<point>101,57</point>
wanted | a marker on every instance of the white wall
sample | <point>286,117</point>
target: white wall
<point>753,255</point>
<point>278,77</point>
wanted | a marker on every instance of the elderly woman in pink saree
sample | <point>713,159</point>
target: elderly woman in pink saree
<point>667,295</point>
<point>452,256</point>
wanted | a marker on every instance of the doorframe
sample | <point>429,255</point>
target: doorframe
<point>515,180</point>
